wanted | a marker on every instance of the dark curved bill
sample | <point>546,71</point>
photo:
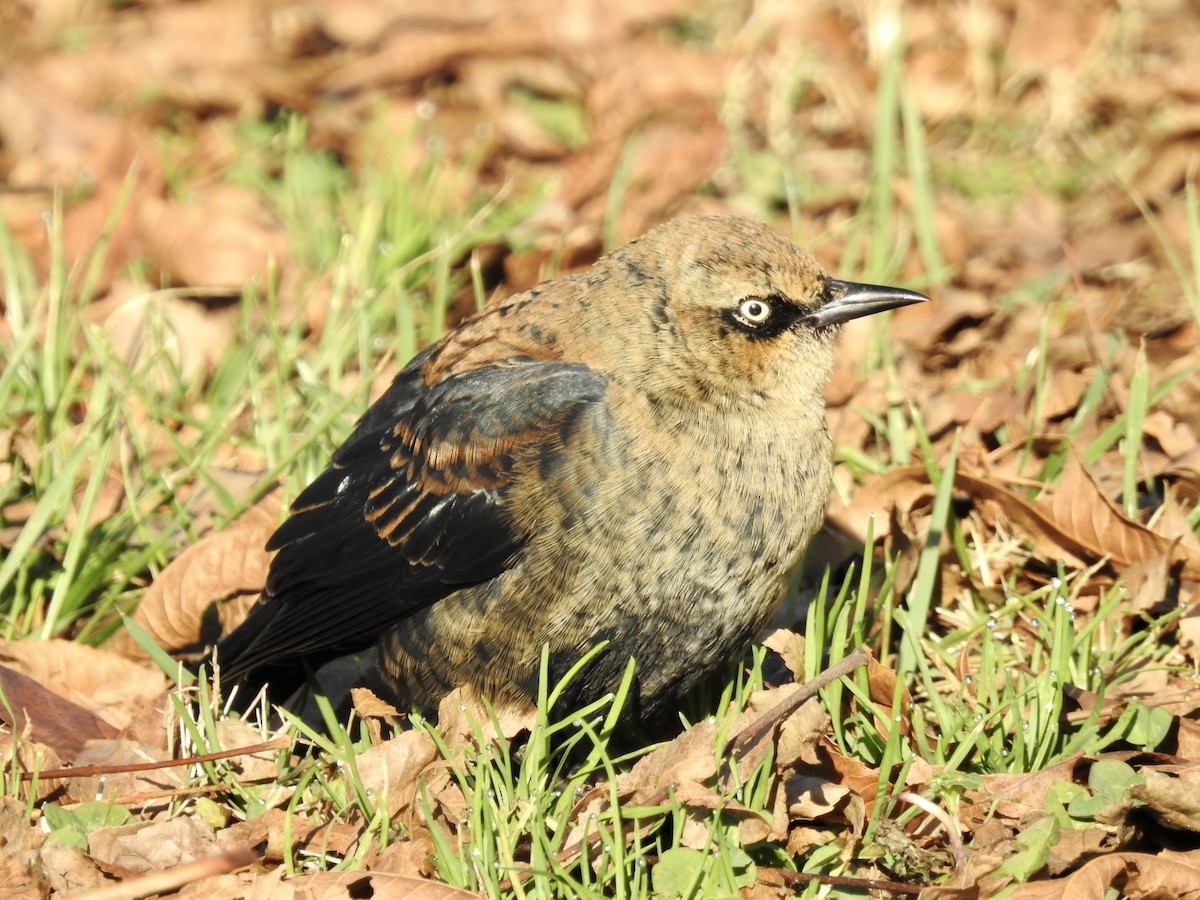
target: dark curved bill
<point>850,300</point>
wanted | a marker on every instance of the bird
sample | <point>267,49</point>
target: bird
<point>633,457</point>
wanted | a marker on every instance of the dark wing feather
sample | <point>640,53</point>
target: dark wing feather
<point>411,507</point>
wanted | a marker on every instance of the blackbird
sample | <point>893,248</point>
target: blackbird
<point>636,454</point>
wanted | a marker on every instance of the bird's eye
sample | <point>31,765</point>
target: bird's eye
<point>762,318</point>
<point>754,311</point>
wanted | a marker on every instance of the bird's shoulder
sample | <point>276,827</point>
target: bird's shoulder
<point>417,496</point>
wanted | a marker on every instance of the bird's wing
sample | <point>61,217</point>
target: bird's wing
<point>411,507</point>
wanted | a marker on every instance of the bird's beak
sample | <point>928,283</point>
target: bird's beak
<point>850,300</point>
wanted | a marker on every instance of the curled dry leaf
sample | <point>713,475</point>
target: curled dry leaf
<point>1174,437</point>
<point>374,711</point>
<point>790,647</point>
<point>1147,875</point>
<point>369,705</point>
<point>207,589</point>
<point>1172,799</point>
<point>700,801</point>
<point>1082,512</point>
<point>900,489</point>
<point>813,797</point>
<point>1076,522</point>
<point>688,757</point>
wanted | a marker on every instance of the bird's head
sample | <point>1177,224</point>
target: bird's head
<point>737,312</point>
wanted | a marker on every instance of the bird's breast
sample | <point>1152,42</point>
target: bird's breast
<point>688,545</point>
<point>728,500</point>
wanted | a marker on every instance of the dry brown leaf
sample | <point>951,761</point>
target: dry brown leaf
<point>108,686</point>
<point>462,715</point>
<point>860,777</point>
<point>811,798</point>
<point>1172,799</point>
<point>379,885</point>
<point>1064,392</point>
<point>392,770</point>
<point>1134,874</point>
<point>48,718</point>
<point>370,706</point>
<point>701,801</point>
<point>802,838</point>
<point>222,238</point>
<point>16,832</point>
<point>266,833</point>
<point>1174,437</point>
<point>883,684</point>
<point>1091,521</point>
<point>1078,522</point>
<point>152,846</point>
<point>1146,583</point>
<point>207,589</point>
<point>1146,684</point>
<point>901,489</point>
<point>19,882</point>
<point>1172,520</point>
<point>261,766</point>
<point>166,334</point>
<point>22,874</point>
<point>1189,631</point>
<point>248,885</point>
<point>1187,740</point>
<point>69,870</point>
<point>120,752</point>
<point>411,858</point>
<point>1076,846</point>
<point>790,647</point>
<point>375,712</point>
<point>1013,797</point>
<point>689,757</point>
<point>20,754</point>
<point>797,738</point>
